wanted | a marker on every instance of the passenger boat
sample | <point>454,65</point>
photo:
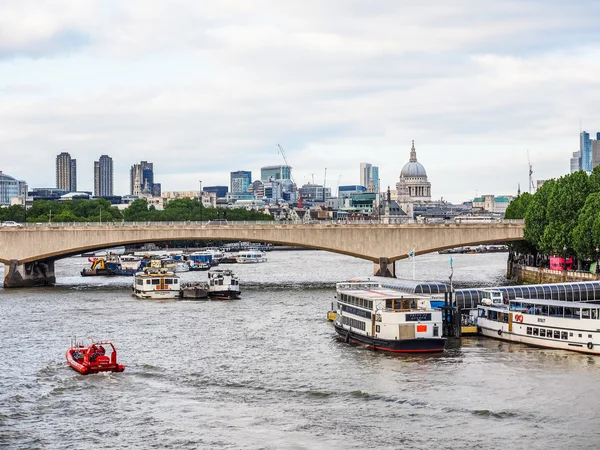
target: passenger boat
<point>156,284</point>
<point>251,256</point>
<point>93,358</point>
<point>556,324</point>
<point>223,284</point>
<point>384,319</point>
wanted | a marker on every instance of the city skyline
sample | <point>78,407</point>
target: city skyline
<point>475,84</point>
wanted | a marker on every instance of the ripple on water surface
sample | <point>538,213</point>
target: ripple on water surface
<point>267,371</point>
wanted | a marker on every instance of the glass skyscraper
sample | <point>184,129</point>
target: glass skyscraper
<point>240,180</point>
<point>276,173</point>
<point>585,149</point>
<point>10,188</point>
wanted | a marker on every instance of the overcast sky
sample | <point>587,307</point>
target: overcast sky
<point>205,88</point>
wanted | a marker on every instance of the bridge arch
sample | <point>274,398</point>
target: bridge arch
<point>380,243</point>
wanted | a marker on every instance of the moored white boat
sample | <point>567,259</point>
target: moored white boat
<point>223,284</point>
<point>182,266</point>
<point>384,319</point>
<point>156,284</point>
<point>250,256</point>
<point>555,324</point>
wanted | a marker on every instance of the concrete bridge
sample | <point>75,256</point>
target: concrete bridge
<point>29,251</point>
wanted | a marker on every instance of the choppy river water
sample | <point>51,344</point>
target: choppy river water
<point>267,372</point>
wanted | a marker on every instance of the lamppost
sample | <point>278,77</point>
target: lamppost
<point>565,257</point>
<point>597,251</point>
<point>200,199</point>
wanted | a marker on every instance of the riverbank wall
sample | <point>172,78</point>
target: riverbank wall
<point>536,275</point>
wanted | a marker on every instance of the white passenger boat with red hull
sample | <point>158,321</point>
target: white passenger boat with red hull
<point>556,324</point>
<point>388,320</point>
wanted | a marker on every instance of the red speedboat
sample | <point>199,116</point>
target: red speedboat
<point>94,358</point>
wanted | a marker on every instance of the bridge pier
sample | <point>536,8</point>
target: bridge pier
<point>36,273</point>
<point>385,268</point>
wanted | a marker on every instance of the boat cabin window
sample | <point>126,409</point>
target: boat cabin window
<point>148,281</point>
<point>175,281</point>
<point>529,330</point>
<point>401,303</point>
<point>585,313</point>
<point>168,281</point>
<point>482,313</point>
<point>594,314</point>
<point>543,310</point>
<point>139,282</point>
<point>536,331</point>
<point>556,334</point>
<point>493,315</point>
<point>155,281</point>
<point>542,332</point>
<point>564,335</point>
<point>555,311</point>
<point>516,306</point>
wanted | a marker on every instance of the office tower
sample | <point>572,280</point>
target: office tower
<point>66,172</point>
<point>369,177</point>
<point>585,149</point>
<point>219,191</point>
<point>576,162</point>
<point>240,180</point>
<point>595,153</point>
<point>275,173</point>
<point>103,176</point>
<point>141,178</point>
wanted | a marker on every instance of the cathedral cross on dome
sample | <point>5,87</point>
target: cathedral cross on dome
<point>413,152</point>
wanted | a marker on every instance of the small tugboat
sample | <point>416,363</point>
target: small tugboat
<point>223,284</point>
<point>111,265</point>
<point>93,358</point>
<point>156,283</point>
<point>384,319</point>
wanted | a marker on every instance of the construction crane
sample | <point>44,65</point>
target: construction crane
<point>291,176</point>
<point>531,187</point>
<point>286,162</point>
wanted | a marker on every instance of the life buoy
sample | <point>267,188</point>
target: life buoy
<point>519,318</point>
<point>590,345</point>
<point>499,332</point>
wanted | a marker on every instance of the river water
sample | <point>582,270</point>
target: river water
<point>267,372</point>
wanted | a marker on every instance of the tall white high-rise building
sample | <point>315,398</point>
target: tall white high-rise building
<point>66,172</point>
<point>103,176</point>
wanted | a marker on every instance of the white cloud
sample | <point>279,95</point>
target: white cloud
<point>202,89</point>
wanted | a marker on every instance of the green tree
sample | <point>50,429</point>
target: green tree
<point>586,235</point>
<point>517,210</point>
<point>535,216</point>
<point>564,204</point>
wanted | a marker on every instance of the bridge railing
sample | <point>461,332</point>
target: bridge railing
<point>212,224</point>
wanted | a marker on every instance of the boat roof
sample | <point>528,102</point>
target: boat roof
<point>379,293</point>
<point>408,286</point>
<point>156,274</point>
<point>540,301</point>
